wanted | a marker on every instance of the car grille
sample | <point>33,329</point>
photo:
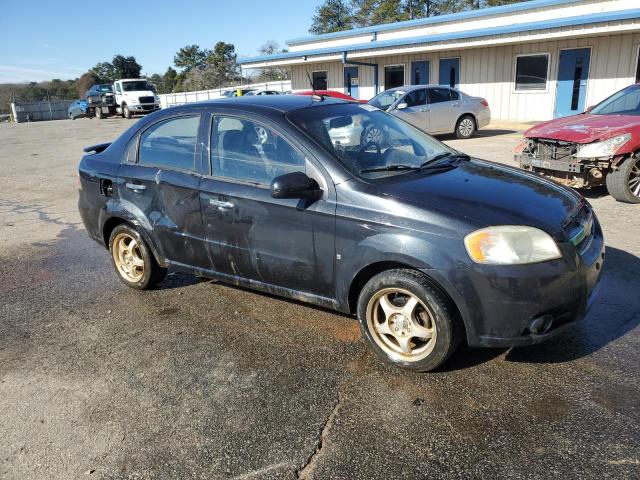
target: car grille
<point>552,149</point>
<point>581,229</point>
<point>146,99</point>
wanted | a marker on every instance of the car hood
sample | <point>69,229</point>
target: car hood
<point>585,128</point>
<point>490,194</point>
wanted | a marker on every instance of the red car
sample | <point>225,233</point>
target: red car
<point>600,146</point>
<point>330,93</point>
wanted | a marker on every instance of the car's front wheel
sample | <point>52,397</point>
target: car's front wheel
<point>407,320</point>
<point>465,126</point>
<point>99,114</point>
<point>133,260</point>
<point>623,184</point>
<point>126,113</point>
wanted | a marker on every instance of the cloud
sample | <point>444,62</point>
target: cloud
<point>13,74</point>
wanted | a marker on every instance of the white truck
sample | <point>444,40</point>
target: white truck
<point>134,95</point>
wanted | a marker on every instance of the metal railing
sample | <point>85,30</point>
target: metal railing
<point>173,99</point>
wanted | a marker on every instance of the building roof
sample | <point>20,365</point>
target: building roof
<point>515,28</point>
<point>451,17</point>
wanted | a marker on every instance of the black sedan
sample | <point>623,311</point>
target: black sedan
<point>427,246</point>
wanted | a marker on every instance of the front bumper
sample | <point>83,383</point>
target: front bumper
<point>499,303</point>
<point>144,107</point>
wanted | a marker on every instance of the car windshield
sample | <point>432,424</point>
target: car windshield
<point>625,102</point>
<point>385,99</point>
<point>104,88</point>
<point>370,143</point>
<point>135,86</point>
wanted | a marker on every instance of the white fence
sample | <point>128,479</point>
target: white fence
<point>173,99</point>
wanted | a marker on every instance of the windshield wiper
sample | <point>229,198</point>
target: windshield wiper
<point>390,168</point>
<point>448,156</point>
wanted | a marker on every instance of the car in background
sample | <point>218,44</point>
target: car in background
<point>135,95</point>
<point>425,245</point>
<point>330,93</point>
<point>234,92</point>
<point>101,100</point>
<point>598,147</point>
<point>77,109</point>
<point>436,109</point>
<point>262,92</point>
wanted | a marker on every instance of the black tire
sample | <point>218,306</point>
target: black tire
<point>439,309</point>
<point>152,273</point>
<point>623,184</point>
<point>126,113</point>
<point>465,126</point>
<point>99,114</point>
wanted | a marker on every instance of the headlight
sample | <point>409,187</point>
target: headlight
<point>606,148</point>
<point>510,245</point>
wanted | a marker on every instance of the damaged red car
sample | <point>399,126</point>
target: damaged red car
<point>598,147</point>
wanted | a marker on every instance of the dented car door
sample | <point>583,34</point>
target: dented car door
<point>250,234</point>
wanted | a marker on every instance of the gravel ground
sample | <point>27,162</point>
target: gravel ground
<point>201,380</point>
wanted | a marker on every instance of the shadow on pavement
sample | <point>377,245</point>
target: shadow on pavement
<point>616,312</point>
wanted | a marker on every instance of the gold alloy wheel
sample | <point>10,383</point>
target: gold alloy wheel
<point>401,325</point>
<point>128,257</point>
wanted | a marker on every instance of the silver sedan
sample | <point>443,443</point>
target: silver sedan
<point>435,109</point>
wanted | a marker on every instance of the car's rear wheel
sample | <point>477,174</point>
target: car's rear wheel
<point>465,126</point>
<point>71,117</point>
<point>623,184</point>
<point>99,113</point>
<point>133,260</point>
<point>407,320</point>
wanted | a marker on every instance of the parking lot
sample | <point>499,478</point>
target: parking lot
<point>200,380</point>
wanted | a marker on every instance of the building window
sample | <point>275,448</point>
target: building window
<point>531,72</point>
<point>393,76</point>
<point>320,80</point>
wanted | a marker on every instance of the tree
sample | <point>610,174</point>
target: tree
<point>103,72</point>
<point>125,67</point>
<point>332,16</point>
<point>169,79</point>
<point>271,74</point>
<point>190,57</point>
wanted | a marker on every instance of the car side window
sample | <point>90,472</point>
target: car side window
<point>439,95</point>
<point>170,143</point>
<point>416,98</point>
<point>251,152</point>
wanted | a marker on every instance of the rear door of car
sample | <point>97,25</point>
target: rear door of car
<point>160,179</point>
<point>443,112</point>
<point>251,235</point>
<point>416,110</point>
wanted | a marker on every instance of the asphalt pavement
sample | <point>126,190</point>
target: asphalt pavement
<point>197,379</point>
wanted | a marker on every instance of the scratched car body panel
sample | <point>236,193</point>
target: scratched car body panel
<point>253,192</point>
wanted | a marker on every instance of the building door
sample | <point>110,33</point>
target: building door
<point>571,89</point>
<point>393,76</point>
<point>420,72</point>
<point>449,72</point>
<point>351,81</point>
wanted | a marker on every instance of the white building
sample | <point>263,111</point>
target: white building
<point>532,61</point>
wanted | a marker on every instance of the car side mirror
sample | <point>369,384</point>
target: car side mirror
<point>589,108</point>
<point>401,106</point>
<point>295,185</point>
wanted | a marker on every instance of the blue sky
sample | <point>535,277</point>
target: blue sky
<point>41,40</point>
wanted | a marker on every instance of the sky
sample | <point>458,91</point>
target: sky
<point>45,39</point>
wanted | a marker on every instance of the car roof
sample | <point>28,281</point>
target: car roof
<point>281,103</point>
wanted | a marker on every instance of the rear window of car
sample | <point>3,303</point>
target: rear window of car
<point>439,95</point>
<point>170,144</point>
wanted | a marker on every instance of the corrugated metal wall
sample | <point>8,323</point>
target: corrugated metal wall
<point>489,72</point>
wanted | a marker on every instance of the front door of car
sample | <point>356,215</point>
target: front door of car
<point>414,108</point>
<point>443,112</point>
<point>159,181</point>
<point>251,235</point>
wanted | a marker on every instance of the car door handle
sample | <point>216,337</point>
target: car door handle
<point>220,204</point>
<point>424,109</point>
<point>135,187</point>
<point>456,104</point>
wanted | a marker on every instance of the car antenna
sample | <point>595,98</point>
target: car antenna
<point>314,96</point>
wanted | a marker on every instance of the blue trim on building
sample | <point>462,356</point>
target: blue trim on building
<point>516,28</point>
<point>450,17</point>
